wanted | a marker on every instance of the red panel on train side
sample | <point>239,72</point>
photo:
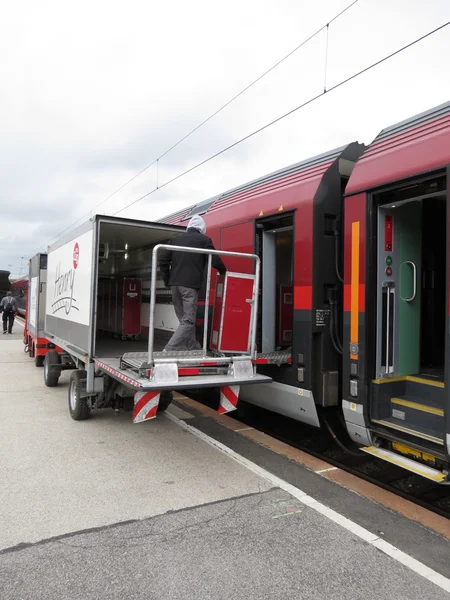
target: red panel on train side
<point>238,238</point>
<point>355,212</point>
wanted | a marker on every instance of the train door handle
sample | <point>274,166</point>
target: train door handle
<point>414,268</point>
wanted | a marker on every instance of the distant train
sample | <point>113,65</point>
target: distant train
<point>18,288</point>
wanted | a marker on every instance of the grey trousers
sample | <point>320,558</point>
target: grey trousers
<point>185,303</point>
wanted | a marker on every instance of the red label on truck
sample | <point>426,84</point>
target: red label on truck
<point>76,255</point>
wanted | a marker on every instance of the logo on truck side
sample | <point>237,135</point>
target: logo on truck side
<point>76,255</point>
<point>64,285</point>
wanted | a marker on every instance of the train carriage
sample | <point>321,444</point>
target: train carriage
<point>354,299</point>
<point>396,339</point>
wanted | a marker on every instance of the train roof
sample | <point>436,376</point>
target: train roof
<point>314,165</point>
<point>18,283</point>
<point>410,147</point>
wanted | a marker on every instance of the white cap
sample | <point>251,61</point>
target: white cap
<point>197,223</point>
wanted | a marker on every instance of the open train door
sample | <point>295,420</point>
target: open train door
<point>395,363</point>
<point>411,310</point>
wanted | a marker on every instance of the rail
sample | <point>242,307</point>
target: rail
<point>210,253</point>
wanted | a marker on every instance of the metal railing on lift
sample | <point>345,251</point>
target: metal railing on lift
<point>210,253</point>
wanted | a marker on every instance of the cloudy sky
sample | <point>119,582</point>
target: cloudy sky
<point>91,92</point>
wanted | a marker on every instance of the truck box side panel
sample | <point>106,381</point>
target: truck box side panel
<point>36,295</point>
<point>33,304</point>
<point>69,290</point>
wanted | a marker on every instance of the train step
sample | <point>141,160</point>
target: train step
<point>413,429</point>
<point>416,412</point>
<point>407,463</point>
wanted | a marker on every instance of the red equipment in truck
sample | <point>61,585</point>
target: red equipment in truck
<point>119,306</point>
<point>231,324</point>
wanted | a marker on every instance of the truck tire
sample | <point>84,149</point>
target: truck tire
<point>39,361</point>
<point>31,350</point>
<point>165,400</point>
<point>51,376</point>
<point>78,405</point>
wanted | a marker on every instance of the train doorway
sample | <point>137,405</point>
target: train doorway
<point>411,299</point>
<point>411,287</point>
<point>275,246</point>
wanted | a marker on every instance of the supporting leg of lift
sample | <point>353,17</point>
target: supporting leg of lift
<point>228,399</point>
<point>145,405</point>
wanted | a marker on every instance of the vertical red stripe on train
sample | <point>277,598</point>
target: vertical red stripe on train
<point>303,245</point>
<point>303,297</point>
<point>355,210</point>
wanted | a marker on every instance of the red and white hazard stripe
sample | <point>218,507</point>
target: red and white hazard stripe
<point>228,399</point>
<point>117,374</point>
<point>145,406</point>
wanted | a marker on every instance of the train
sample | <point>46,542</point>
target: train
<point>354,288</point>
<point>18,288</point>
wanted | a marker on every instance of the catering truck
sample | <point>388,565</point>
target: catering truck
<point>132,370</point>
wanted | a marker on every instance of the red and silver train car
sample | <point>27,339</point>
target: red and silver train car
<point>19,290</point>
<point>354,288</point>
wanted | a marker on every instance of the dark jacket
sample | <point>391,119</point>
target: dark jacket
<point>186,268</point>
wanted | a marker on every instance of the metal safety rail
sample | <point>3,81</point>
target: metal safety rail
<point>193,358</point>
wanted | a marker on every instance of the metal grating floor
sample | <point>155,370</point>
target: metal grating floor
<point>279,357</point>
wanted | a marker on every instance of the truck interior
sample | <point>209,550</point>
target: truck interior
<point>125,251</point>
<point>411,250</point>
<point>275,247</point>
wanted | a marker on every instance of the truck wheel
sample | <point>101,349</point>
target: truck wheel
<point>39,361</point>
<point>31,350</point>
<point>78,406</point>
<point>165,400</point>
<point>51,376</point>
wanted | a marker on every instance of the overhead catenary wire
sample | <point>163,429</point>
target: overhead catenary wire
<point>214,114</point>
<point>285,115</point>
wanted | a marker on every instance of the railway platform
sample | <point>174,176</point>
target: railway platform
<point>186,506</point>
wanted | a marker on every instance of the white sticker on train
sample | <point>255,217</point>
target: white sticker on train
<point>69,273</point>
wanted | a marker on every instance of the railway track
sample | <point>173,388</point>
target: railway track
<point>343,454</point>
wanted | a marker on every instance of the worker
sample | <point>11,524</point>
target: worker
<point>9,308</point>
<point>183,272</point>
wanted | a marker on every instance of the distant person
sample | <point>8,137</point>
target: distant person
<point>8,307</point>
<point>184,272</point>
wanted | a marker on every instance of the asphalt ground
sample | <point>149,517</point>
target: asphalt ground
<point>107,509</point>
